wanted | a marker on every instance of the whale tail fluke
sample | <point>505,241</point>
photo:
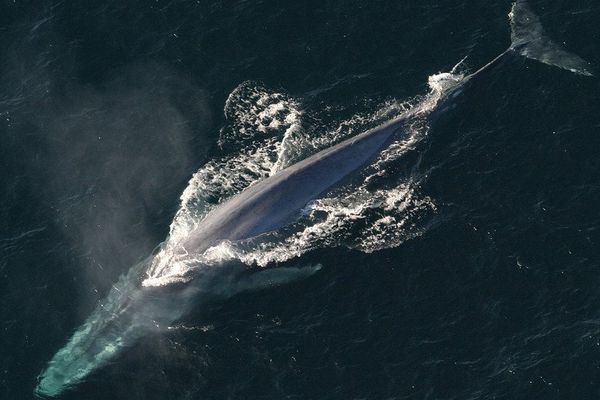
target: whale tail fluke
<point>530,40</point>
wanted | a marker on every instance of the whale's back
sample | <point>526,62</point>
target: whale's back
<point>274,202</point>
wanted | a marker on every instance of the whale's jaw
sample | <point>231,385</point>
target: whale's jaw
<point>129,312</point>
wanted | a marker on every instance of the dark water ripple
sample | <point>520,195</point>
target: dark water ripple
<point>498,299</point>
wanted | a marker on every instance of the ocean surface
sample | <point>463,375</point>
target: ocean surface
<point>464,263</point>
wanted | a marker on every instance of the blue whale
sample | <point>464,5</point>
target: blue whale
<point>132,310</point>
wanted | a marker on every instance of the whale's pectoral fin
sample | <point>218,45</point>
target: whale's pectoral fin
<point>530,40</point>
<point>272,277</point>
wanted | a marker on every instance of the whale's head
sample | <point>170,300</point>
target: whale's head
<point>132,310</point>
<point>113,325</point>
<point>74,362</point>
<point>129,312</point>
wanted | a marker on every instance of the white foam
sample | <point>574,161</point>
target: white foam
<point>253,111</point>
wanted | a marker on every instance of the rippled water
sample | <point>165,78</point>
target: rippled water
<point>462,264</point>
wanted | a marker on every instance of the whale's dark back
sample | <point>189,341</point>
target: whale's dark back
<point>277,200</point>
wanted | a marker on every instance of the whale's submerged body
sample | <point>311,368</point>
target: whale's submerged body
<point>134,307</point>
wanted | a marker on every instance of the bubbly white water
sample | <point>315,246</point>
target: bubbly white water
<point>267,131</point>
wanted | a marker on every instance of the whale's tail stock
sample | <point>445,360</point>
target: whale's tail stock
<point>529,39</point>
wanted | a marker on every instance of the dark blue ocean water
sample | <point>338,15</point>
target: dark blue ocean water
<point>108,108</point>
